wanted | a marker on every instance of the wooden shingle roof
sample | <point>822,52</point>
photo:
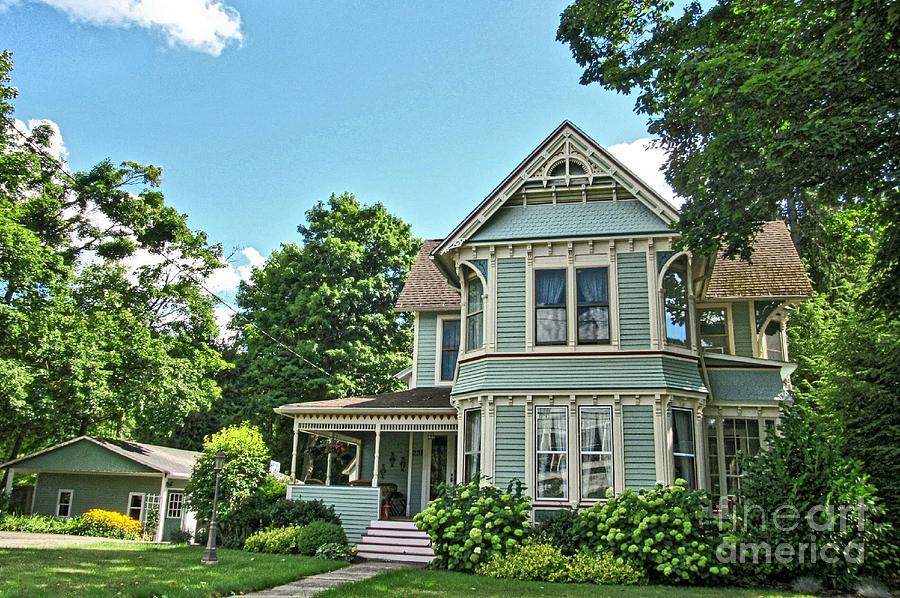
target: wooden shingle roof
<point>426,289</point>
<point>774,270</point>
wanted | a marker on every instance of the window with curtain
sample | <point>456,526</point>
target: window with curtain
<point>683,451</point>
<point>474,313</point>
<point>472,445</point>
<point>550,307</point>
<point>713,325</point>
<point>675,303</point>
<point>593,305</point>
<point>596,452</point>
<point>551,446</point>
<point>449,348</point>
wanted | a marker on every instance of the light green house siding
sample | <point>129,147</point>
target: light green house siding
<point>511,304</point>
<point>741,385</point>
<point>426,348</point>
<point>356,506</point>
<point>394,448</point>
<point>633,372</point>
<point>634,301</point>
<point>510,445</point>
<point>743,329</point>
<point>639,451</point>
<point>86,456</point>
<point>415,496</point>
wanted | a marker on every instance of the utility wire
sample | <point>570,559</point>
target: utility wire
<point>60,169</point>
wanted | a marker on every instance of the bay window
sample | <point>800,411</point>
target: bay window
<point>683,452</point>
<point>592,286</point>
<point>550,307</point>
<point>449,349</point>
<point>551,444</point>
<point>472,444</point>
<point>596,452</point>
<point>474,314</point>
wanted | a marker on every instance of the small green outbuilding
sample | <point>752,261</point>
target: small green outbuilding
<point>143,481</point>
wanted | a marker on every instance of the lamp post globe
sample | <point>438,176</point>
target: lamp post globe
<point>209,556</point>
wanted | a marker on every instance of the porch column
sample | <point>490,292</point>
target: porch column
<point>294,451</point>
<point>163,499</point>
<point>377,455</point>
<point>9,481</point>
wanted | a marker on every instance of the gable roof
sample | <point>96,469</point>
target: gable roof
<point>773,272</point>
<point>426,289</point>
<point>548,150</point>
<point>175,463</point>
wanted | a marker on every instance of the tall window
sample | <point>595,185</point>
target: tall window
<point>175,505</point>
<point>472,445</point>
<point>713,324</point>
<point>774,342</point>
<point>449,348</point>
<point>593,305</point>
<point>596,452</point>
<point>551,424</point>
<point>64,503</point>
<point>474,314</point>
<point>676,303</point>
<point>739,438</point>
<point>550,307</point>
<point>712,454</point>
<point>683,451</point>
<point>135,505</point>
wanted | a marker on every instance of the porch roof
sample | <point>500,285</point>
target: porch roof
<point>426,400</point>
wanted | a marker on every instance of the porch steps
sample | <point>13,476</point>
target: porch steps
<point>398,541</point>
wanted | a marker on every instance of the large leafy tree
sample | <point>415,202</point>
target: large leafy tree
<point>317,321</point>
<point>104,325</point>
<point>767,108</point>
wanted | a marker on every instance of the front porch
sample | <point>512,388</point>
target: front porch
<point>405,447</point>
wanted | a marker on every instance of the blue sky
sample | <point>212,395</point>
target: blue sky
<point>256,110</point>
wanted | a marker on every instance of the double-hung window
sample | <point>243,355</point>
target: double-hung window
<point>472,445</point>
<point>175,505</point>
<point>596,452</point>
<point>593,305</point>
<point>474,314</point>
<point>683,452</point>
<point>64,503</point>
<point>551,444</point>
<point>449,349</point>
<point>550,307</point>
<point>713,323</point>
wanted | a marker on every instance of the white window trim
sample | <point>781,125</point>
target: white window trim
<point>537,452</point>
<point>128,506</point>
<point>465,449</point>
<point>439,350</point>
<point>729,323</point>
<point>692,455</point>
<point>169,502</point>
<point>464,312</point>
<point>569,274</point>
<point>611,453</point>
<point>59,494</point>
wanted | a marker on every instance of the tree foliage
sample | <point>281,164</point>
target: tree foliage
<point>767,108</point>
<point>104,327</point>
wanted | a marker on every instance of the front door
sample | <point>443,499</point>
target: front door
<point>439,450</point>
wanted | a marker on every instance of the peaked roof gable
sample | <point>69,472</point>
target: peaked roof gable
<point>566,142</point>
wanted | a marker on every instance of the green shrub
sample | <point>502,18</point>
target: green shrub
<point>300,512</point>
<point>470,522</point>
<point>252,515</point>
<point>319,533</point>
<point>180,536</point>
<point>665,532</point>
<point>557,529</point>
<point>335,552</point>
<point>283,540</point>
<point>42,524</point>
<point>534,562</point>
<point>601,568</point>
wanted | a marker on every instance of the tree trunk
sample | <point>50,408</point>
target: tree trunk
<point>83,429</point>
<point>794,224</point>
<point>14,452</point>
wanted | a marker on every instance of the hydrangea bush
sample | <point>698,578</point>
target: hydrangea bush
<point>470,522</point>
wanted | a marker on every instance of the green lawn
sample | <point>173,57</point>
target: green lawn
<point>427,582</point>
<point>145,570</point>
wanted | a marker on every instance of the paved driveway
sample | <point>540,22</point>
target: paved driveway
<point>26,540</point>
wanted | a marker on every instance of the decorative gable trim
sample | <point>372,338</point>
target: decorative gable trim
<point>566,144</point>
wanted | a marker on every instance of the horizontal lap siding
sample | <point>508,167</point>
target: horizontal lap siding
<point>743,329</point>
<point>510,445</point>
<point>415,494</point>
<point>426,351</point>
<point>640,448</point>
<point>634,301</point>
<point>85,456</point>
<point>356,506</point>
<point>92,491</point>
<point>511,304</point>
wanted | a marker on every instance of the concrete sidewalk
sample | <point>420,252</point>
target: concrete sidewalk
<point>310,586</point>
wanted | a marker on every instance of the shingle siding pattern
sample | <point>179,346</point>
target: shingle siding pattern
<point>745,385</point>
<point>426,288</point>
<point>743,329</point>
<point>426,355</point>
<point>511,304</point>
<point>634,301</point>
<point>639,451</point>
<point>774,270</point>
<point>593,218</point>
<point>556,373</point>
<point>510,447</point>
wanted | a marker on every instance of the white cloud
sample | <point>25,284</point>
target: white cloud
<point>57,148</point>
<point>646,160</point>
<point>223,317</point>
<point>230,275</point>
<point>203,25</point>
